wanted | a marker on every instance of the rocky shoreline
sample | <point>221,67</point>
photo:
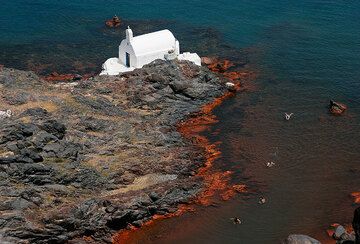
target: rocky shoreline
<point>80,161</point>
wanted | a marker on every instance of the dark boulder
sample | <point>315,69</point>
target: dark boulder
<point>42,138</point>
<point>8,160</point>
<point>119,220</point>
<point>31,153</point>
<point>154,196</point>
<point>37,174</point>
<point>18,132</point>
<point>39,169</point>
<point>55,128</point>
<point>93,124</point>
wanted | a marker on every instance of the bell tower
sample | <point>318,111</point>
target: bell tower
<point>129,35</point>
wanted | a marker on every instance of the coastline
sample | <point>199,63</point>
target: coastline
<point>216,183</point>
<point>76,211</point>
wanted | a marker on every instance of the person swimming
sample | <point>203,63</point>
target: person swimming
<point>236,220</point>
<point>262,200</point>
<point>115,18</point>
<point>288,116</point>
<point>270,164</point>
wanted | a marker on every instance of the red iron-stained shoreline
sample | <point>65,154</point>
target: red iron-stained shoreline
<point>216,184</point>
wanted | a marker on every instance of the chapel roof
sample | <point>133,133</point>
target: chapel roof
<point>152,42</point>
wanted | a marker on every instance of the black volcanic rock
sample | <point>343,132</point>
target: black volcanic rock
<point>55,128</point>
<point>76,160</point>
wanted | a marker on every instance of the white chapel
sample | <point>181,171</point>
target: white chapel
<point>135,52</point>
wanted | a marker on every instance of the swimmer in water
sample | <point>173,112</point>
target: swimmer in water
<point>270,164</point>
<point>262,200</point>
<point>288,116</point>
<point>236,220</point>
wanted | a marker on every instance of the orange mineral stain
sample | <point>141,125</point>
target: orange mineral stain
<point>232,191</point>
<point>124,236</point>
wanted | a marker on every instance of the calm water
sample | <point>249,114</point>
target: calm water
<point>304,53</point>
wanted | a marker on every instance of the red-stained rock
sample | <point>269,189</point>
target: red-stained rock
<point>216,65</point>
<point>331,230</point>
<point>1,66</point>
<point>113,22</point>
<point>235,76</point>
<point>337,108</point>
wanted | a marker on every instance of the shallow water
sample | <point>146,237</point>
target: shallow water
<point>304,54</point>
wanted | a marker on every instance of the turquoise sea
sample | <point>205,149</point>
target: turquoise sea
<point>304,54</point>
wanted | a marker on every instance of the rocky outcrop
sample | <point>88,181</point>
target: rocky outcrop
<point>337,108</point>
<point>113,22</point>
<point>227,69</point>
<point>73,157</point>
<point>342,234</point>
